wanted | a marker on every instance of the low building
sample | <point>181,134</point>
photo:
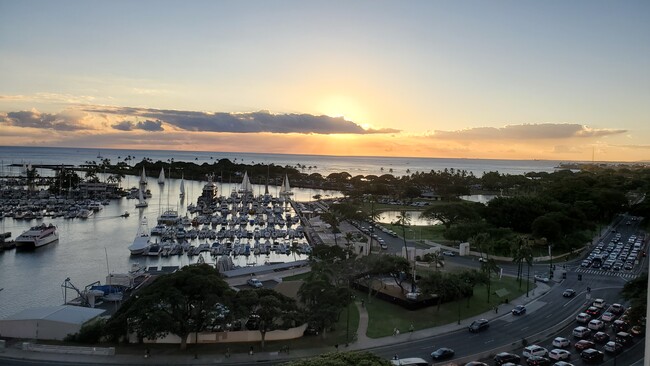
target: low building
<point>50,322</point>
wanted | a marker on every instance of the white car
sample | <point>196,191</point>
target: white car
<point>607,316</point>
<point>599,303</point>
<point>254,282</point>
<point>534,350</point>
<point>595,324</point>
<point>559,354</point>
<point>583,318</point>
<point>561,342</point>
<point>449,253</point>
<point>541,278</point>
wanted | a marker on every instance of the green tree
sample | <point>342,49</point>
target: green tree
<point>324,300</point>
<point>272,309</point>
<point>636,292</point>
<point>180,303</point>
<point>451,213</point>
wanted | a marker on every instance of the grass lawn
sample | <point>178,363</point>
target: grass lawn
<point>384,316</point>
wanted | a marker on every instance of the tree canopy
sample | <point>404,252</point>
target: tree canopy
<point>189,300</point>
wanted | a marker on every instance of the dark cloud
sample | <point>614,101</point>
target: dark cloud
<point>148,125</point>
<point>527,132</point>
<point>68,120</point>
<point>123,126</point>
<point>253,122</point>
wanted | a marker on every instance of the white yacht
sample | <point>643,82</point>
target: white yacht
<point>141,241</point>
<point>37,236</point>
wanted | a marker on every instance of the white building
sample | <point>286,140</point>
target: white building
<point>50,322</point>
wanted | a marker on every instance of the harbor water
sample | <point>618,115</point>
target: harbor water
<point>88,249</point>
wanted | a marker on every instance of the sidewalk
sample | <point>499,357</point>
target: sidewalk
<point>363,342</point>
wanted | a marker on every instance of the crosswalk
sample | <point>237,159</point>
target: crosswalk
<point>597,272</point>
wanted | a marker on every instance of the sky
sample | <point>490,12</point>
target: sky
<point>556,80</point>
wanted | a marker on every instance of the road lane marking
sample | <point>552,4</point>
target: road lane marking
<point>524,328</point>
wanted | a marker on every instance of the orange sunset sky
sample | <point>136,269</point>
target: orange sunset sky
<point>464,79</point>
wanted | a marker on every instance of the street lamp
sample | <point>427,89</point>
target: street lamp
<point>550,268</point>
<point>528,274</point>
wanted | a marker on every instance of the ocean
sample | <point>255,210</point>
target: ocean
<point>89,249</point>
<point>325,165</point>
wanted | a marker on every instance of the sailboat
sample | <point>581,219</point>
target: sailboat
<point>161,177</point>
<point>143,178</point>
<point>141,202</point>
<point>182,188</point>
<point>246,186</point>
<point>285,190</point>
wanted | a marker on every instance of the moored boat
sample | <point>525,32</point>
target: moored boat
<point>37,236</point>
<point>141,241</point>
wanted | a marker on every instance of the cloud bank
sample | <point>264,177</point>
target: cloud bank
<point>151,126</point>
<point>67,120</point>
<point>540,131</point>
<point>251,122</point>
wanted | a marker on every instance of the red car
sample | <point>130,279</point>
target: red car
<point>593,311</point>
<point>583,344</point>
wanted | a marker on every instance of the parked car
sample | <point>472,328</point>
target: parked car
<point>601,337</point>
<point>581,332</point>
<point>559,354</point>
<point>620,325</point>
<point>599,303</point>
<point>562,363</point>
<point>538,361</point>
<point>583,318</point>
<point>505,357</point>
<point>617,309</point>
<point>534,350</point>
<point>442,354</point>
<point>613,347</point>
<point>593,311</point>
<point>569,292</point>
<point>479,325</point>
<point>595,324</point>
<point>561,342</point>
<point>449,253</point>
<point>607,316</point>
<point>519,310</point>
<point>624,338</point>
<point>254,282</point>
<point>592,356</point>
<point>583,344</point>
<point>637,330</point>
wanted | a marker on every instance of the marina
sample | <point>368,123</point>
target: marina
<point>94,248</point>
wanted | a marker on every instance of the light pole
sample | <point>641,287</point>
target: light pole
<point>550,268</point>
<point>528,280</point>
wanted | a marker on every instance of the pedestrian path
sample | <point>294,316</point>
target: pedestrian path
<point>597,272</point>
<point>363,342</point>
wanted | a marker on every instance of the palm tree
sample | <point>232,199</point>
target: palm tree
<point>488,267</point>
<point>436,258</point>
<point>403,221</point>
<point>331,219</point>
<point>483,242</point>
<point>349,237</point>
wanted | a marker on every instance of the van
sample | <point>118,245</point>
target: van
<point>581,332</point>
<point>411,361</point>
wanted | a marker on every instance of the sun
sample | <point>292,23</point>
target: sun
<point>342,106</point>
